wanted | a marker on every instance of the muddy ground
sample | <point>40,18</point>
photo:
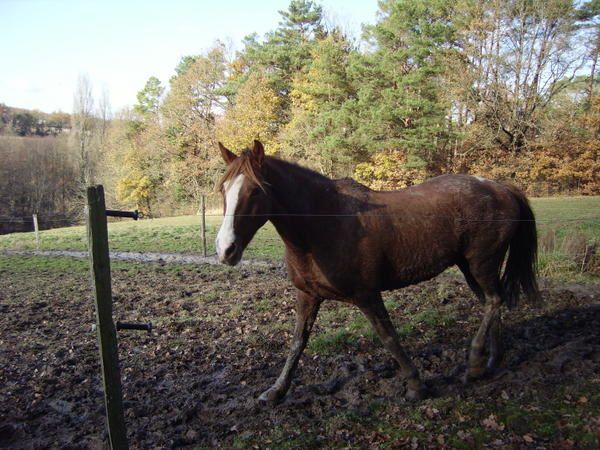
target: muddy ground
<point>221,337</point>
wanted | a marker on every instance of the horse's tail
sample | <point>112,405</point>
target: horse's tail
<point>521,265</point>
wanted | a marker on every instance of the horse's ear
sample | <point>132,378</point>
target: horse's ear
<point>228,155</point>
<point>258,151</point>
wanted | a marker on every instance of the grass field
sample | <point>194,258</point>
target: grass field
<point>569,229</point>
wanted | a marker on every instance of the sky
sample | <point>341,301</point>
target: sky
<point>119,44</point>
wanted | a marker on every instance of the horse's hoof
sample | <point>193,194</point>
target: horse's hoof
<point>474,373</point>
<point>493,363</point>
<point>415,395</point>
<point>271,396</point>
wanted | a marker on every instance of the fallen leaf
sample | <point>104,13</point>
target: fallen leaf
<point>403,442</point>
<point>567,444</point>
<point>431,412</point>
<point>527,438</point>
<point>414,444</point>
<point>461,418</point>
<point>491,423</point>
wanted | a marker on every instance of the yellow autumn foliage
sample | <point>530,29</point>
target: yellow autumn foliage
<point>136,188</point>
<point>254,115</point>
<point>567,164</point>
<point>389,170</point>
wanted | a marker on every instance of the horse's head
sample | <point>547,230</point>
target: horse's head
<point>246,199</point>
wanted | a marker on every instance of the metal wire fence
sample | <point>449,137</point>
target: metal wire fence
<point>568,233</point>
<point>571,238</point>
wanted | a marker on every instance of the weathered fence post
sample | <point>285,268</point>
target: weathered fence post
<point>107,338</point>
<point>203,231</point>
<point>37,232</point>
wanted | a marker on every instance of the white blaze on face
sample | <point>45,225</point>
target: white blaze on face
<point>226,235</point>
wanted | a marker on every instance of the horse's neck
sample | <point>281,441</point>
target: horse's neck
<point>299,195</point>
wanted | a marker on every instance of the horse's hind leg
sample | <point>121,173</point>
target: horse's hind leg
<point>491,317</point>
<point>372,306</point>
<point>496,347</point>
<point>307,308</point>
<point>489,286</point>
<point>464,268</point>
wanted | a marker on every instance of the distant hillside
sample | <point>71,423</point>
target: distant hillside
<point>24,122</point>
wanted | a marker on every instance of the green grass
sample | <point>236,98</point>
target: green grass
<point>27,264</point>
<point>347,337</point>
<point>568,233</point>
<point>568,215</point>
<point>333,341</point>
<point>11,264</point>
<point>566,227</point>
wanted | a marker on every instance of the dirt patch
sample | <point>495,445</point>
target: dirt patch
<point>221,337</point>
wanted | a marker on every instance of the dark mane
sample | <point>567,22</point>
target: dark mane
<point>246,165</point>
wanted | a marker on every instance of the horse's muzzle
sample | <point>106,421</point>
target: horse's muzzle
<point>232,254</point>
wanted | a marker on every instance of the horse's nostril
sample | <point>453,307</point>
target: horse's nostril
<point>230,250</point>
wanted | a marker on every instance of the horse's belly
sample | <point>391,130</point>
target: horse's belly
<point>401,275</point>
<point>318,288</point>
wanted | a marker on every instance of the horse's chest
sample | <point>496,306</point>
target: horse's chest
<point>309,277</point>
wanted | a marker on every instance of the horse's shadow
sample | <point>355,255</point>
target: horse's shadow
<point>555,347</point>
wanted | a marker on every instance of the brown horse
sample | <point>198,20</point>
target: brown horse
<point>346,242</point>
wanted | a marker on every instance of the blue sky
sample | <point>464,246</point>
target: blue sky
<point>119,44</point>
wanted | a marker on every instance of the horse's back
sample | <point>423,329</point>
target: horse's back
<point>455,196</point>
<point>426,228</point>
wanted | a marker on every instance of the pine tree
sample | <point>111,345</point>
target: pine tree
<point>148,99</point>
<point>285,52</point>
<point>315,134</point>
<point>399,106</point>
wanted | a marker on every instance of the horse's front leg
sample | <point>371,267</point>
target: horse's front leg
<point>307,307</point>
<point>371,304</point>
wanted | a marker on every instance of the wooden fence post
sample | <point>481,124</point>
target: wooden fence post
<point>37,232</point>
<point>203,231</point>
<point>107,337</point>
